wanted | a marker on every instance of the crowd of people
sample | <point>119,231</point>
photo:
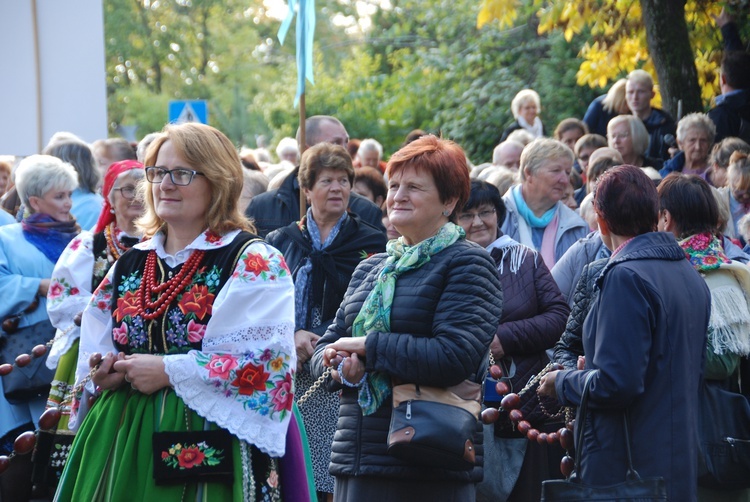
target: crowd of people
<point>223,327</point>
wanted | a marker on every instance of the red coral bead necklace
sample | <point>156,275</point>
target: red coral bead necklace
<point>168,290</point>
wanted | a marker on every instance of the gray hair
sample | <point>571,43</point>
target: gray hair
<point>696,121</point>
<point>370,144</point>
<point>638,132</point>
<point>143,145</point>
<point>287,145</point>
<point>540,151</point>
<point>137,175</point>
<point>498,151</point>
<point>520,136</point>
<point>38,174</point>
<point>80,156</point>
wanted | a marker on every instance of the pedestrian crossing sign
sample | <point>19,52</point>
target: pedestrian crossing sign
<point>194,110</point>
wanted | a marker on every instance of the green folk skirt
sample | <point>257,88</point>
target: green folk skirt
<point>112,456</point>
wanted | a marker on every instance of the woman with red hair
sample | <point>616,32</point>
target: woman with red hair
<point>423,312</point>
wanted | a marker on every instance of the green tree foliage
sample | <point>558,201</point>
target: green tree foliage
<point>421,65</point>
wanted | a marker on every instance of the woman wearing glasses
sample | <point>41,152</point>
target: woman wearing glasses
<point>28,252</point>
<point>628,135</point>
<point>534,315</point>
<point>79,271</point>
<point>195,327</point>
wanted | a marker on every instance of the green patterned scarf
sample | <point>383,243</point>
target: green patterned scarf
<point>375,315</point>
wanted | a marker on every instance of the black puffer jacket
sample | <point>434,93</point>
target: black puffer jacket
<point>443,318</point>
<point>570,345</point>
<point>534,314</point>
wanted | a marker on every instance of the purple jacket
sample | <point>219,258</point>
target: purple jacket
<point>534,317</point>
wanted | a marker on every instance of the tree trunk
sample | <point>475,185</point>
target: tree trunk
<point>669,46</point>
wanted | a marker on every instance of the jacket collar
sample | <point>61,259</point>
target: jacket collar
<point>649,246</point>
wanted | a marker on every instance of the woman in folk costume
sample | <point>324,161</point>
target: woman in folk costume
<point>79,271</point>
<point>196,327</point>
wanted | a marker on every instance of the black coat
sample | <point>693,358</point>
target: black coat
<point>332,266</point>
<point>534,314</point>
<point>278,208</point>
<point>570,345</point>
<point>646,338</point>
<point>443,318</point>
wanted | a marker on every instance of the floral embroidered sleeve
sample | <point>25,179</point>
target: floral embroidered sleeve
<point>69,293</point>
<point>243,377</point>
<point>96,336</point>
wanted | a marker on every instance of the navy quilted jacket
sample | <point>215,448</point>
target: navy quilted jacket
<point>443,318</point>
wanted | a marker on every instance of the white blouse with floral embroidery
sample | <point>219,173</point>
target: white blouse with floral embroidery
<point>242,379</point>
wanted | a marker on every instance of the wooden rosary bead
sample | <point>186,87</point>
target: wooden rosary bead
<point>39,350</point>
<point>502,388</point>
<point>567,464</point>
<point>511,402</point>
<point>523,427</point>
<point>24,443</point>
<point>566,438</point>
<point>4,463</point>
<point>515,415</point>
<point>23,360</point>
<point>496,372</point>
<point>50,419</point>
<point>5,369</point>
<point>490,416</point>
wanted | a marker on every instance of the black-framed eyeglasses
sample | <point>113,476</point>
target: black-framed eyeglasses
<point>180,177</point>
<point>484,216</point>
<point>128,191</point>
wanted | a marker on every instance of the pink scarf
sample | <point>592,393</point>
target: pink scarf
<point>548,242</point>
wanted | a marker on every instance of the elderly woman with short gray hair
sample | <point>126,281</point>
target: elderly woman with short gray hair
<point>628,135</point>
<point>28,253</point>
<point>536,217</point>
<point>695,137</point>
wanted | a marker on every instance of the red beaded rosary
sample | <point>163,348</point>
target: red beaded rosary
<point>167,290</point>
<point>511,403</point>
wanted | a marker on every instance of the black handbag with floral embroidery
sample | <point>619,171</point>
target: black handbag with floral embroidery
<point>196,456</point>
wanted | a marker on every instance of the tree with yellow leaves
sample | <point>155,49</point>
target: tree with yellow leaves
<point>677,41</point>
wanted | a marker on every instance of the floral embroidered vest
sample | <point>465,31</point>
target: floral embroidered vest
<point>183,325</point>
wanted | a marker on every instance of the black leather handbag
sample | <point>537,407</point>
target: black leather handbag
<point>435,427</point>
<point>634,488</point>
<point>33,380</point>
<point>724,427</point>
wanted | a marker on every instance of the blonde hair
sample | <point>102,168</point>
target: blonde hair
<point>208,150</point>
<point>642,77</point>
<point>522,98</point>
<point>615,100</point>
<point>540,151</point>
<point>739,169</point>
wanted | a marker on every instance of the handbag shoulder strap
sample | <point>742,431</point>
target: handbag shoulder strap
<point>581,421</point>
<point>583,409</point>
